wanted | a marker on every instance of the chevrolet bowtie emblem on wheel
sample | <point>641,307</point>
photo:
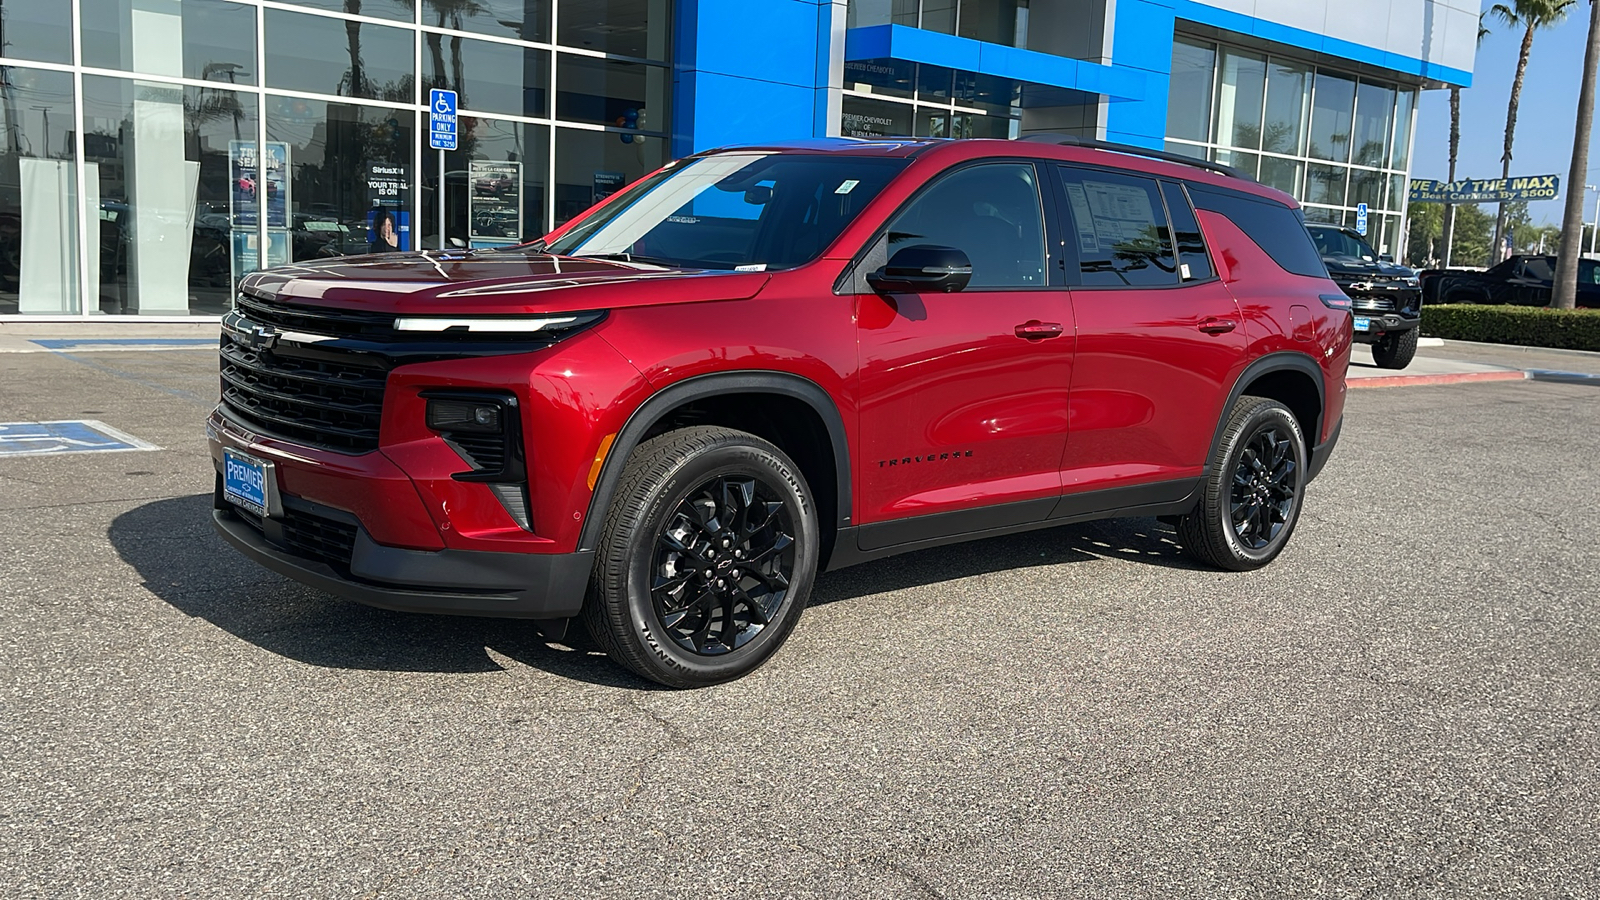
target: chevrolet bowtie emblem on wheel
<point>259,337</point>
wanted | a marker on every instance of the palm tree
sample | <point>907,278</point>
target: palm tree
<point>1531,16</point>
<point>1565,293</point>
<point>1455,147</point>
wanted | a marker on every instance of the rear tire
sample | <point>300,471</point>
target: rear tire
<point>706,559</point>
<point>1251,500</point>
<point>1395,349</point>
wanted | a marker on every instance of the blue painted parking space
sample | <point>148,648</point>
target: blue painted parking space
<point>72,343</point>
<point>71,436</point>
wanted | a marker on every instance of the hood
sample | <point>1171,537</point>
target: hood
<point>493,282</point>
<point>1353,268</point>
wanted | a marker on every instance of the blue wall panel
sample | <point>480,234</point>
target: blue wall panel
<point>1142,41</point>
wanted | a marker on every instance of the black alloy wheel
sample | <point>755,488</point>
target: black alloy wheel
<point>1265,488</point>
<point>723,563</point>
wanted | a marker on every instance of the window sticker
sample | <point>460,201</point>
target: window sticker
<point>1088,241</point>
<point>1122,212</point>
<point>848,186</point>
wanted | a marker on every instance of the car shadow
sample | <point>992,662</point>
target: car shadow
<point>170,543</point>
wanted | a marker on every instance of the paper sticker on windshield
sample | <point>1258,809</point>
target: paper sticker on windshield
<point>753,267</point>
<point>848,186</point>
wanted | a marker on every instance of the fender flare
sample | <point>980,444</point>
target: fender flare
<point>1285,360</point>
<point>671,397</point>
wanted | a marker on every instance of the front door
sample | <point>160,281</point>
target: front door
<point>964,395</point>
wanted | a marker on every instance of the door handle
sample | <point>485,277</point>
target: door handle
<point>1035,330</point>
<point>1214,325</point>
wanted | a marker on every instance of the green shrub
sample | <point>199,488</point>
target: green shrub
<point>1528,326</point>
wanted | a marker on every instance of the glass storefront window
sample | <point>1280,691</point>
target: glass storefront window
<point>995,21</point>
<point>889,77</point>
<point>1189,97</point>
<point>488,76</point>
<point>322,55</point>
<point>1400,153</point>
<point>173,190</point>
<point>36,29</point>
<point>396,10</point>
<point>938,15</point>
<point>1366,187</point>
<point>214,40</point>
<point>593,165</point>
<point>610,92</point>
<point>38,193</point>
<point>635,28</point>
<point>874,118</point>
<point>1240,86</point>
<point>494,184</point>
<point>1245,162</point>
<point>525,20</point>
<point>1323,215</point>
<point>1285,126</point>
<point>350,175</point>
<point>1284,174</point>
<point>1374,105</point>
<point>1326,184</point>
<point>1397,192</point>
<point>935,82</point>
<point>1332,106</point>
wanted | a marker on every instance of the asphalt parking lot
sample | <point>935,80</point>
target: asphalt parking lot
<point>1407,704</point>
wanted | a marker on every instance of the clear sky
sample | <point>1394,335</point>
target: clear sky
<point>1544,118</point>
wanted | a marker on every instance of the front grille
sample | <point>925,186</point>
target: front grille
<point>306,534</point>
<point>332,400</point>
<point>336,322</point>
<point>1373,304</point>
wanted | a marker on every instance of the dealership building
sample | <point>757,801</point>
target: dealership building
<point>155,151</point>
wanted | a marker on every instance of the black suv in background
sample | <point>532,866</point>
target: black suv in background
<point>1386,298</point>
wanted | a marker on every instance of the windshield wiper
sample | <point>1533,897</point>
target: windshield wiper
<point>632,257</point>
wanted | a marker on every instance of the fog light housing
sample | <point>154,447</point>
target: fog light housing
<point>478,416</point>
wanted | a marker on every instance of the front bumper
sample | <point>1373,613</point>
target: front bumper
<point>452,582</point>
<point>1380,324</point>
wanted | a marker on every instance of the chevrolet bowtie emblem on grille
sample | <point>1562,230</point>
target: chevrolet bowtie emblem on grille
<point>259,337</point>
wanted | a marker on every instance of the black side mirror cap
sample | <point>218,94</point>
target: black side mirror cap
<point>923,269</point>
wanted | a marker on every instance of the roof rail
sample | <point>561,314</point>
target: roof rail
<point>1132,150</point>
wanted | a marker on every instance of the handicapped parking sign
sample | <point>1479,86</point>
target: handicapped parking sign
<point>442,119</point>
<point>1361,219</point>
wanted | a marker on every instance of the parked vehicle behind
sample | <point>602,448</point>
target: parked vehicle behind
<point>761,363</point>
<point>1519,280</point>
<point>1385,296</point>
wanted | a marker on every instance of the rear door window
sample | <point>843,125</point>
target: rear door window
<point>1193,263</point>
<point>1118,224</point>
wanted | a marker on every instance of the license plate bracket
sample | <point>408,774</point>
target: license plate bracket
<point>250,483</point>
<point>1363,323</point>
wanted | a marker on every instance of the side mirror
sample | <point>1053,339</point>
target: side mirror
<point>1386,257</point>
<point>923,269</point>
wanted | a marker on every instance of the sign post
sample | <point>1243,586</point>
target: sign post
<point>441,137</point>
<point>1361,219</point>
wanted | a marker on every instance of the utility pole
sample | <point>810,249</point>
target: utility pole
<point>1565,290</point>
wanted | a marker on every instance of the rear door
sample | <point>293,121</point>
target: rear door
<point>964,395</point>
<point>1159,337</point>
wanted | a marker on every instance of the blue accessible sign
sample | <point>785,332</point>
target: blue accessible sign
<point>442,119</point>
<point>75,436</point>
<point>1361,219</point>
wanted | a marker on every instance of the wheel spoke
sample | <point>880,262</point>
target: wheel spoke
<point>758,611</point>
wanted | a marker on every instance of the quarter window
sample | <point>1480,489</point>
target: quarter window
<point>989,212</point>
<point>1119,226</point>
<point>1194,264</point>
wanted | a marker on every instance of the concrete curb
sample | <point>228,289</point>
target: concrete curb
<point>1416,380</point>
<point>1474,345</point>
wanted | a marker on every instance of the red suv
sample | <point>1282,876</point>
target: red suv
<point>666,417</point>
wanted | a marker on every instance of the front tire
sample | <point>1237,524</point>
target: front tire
<point>706,559</point>
<point>1395,349</point>
<point>1251,500</point>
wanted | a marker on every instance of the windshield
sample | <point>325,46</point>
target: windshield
<point>1333,242</point>
<point>747,210</point>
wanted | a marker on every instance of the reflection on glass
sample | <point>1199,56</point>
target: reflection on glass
<point>1187,149</point>
<point>1400,153</point>
<point>349,166</point>
<point>889,77</point>
<point>153,147</point>
<point>1239,90</point>
<point>1120,227</point>
<point>526,20</point>
<point>1189,97</point>
<point>1397,193</point>
<point>1283,174</point>
<point>593,165</point>
<point>934,82</point>
<point>494,184</point>
<point>625,27</point>
<point>1323,214</point>
<point>397,10</point>
<point>1374,105</point>
<point>939,15</point>
<point>36,29</point>
<point>1287,95</point>
<point>1366,187</point>
<point>1330,117</point>
<point>989,93</point>
<point>1326,184</point>
<point>942,123</point>
<point>1245,162</point>
<point>995,21</point>
<point>335,56</point>
<point>207,40</point>
<point>487,76</point>
<point>611,92</point>
<point>38,193</point>
<point>874,118</point>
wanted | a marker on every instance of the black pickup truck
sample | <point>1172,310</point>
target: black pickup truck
<point>1383,295</point>
<point>1519,281</point>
